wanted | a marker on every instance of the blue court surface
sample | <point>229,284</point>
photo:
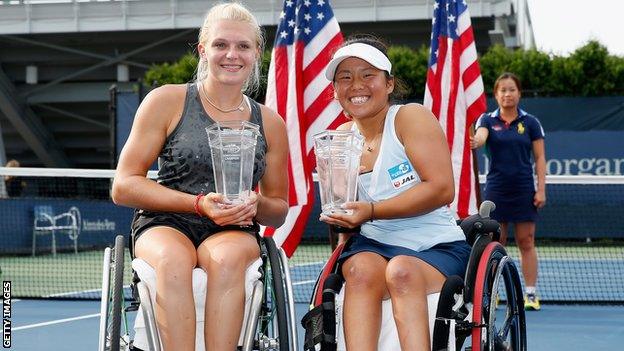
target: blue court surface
<point>39,325</point>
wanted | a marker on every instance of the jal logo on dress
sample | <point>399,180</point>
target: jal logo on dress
<point>401,175</point>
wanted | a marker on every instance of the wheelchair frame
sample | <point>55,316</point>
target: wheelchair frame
<point>470,308</point>
<point>270,323</point>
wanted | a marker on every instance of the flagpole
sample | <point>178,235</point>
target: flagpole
<point>475,170</point>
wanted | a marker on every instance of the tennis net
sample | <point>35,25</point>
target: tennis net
<point>55,223</point>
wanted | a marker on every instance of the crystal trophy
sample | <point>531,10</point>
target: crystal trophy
<point>338,155</point>
<point>233,149</point>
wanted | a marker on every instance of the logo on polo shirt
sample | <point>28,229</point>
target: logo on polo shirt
<point>401,175</point>
<point>520,128</point>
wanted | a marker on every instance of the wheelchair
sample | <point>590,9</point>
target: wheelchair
<point>269,321</point>
<point>464,309</point>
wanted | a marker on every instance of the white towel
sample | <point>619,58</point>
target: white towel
<point>147,274</point>
<point>388,336</point>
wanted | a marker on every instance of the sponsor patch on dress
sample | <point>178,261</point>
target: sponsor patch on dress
<point>401,175</point>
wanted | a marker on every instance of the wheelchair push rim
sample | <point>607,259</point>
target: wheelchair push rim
<point>112,299</point>
<point>274,325</point>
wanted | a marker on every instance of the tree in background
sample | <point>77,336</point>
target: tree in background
<point>589,71</point>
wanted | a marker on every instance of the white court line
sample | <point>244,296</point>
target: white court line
<point>79,292</point>
<point>304,282</point>
<point>307,264</point>
<point>56,322</point>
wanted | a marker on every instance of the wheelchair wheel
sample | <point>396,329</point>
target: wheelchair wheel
<point>277,294</point>
<point>112,296</point>
<point>451,292</point>
<point>488,335</point>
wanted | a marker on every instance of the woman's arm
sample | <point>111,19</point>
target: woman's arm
<point>479,137</point>
<point>153,121</point>
<point>273,199</point>
<point>427,150</point>
<point>426,147</point>
<point>539,155</point>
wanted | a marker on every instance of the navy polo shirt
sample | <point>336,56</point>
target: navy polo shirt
<point>510,147</point>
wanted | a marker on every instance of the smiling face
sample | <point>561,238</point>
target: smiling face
<point>361,89</point>
<point>507,93</point>
<point>231,52</point>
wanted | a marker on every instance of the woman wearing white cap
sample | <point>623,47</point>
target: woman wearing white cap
<point>409,241</point>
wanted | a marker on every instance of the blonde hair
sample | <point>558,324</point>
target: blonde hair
<point>234,12</point>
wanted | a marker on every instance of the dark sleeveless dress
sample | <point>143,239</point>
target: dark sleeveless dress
<point>185,164</point>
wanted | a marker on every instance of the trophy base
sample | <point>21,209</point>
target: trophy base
<point>237,199</point>
<point>333,208</point>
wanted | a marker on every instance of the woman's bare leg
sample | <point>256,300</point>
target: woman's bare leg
<point>409,281</point>
<point>173,257</point>
<point>225,257</point>
<point>503,234</point>
<point>525,239</point>
<point>365,289</point>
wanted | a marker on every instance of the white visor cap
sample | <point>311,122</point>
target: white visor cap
<point>363,51</point>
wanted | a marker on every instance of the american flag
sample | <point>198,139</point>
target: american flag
<point>454,93</point>
<point>306,37</point>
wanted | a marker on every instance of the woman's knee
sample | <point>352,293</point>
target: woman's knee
<point>227,260</point>
<point>172,257</point>
<point>403,275</point>
<point>525,236</point>
<point>363,270</point>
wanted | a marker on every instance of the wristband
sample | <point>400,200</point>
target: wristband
<point>372,217</point>
<point>196,205</point>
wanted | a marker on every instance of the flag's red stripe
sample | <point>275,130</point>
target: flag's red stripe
<point>466,38</point>
<point>292,194</point>
<point>321,102</point>
<point>437,85</point>
<point>317,66</point>
<point>465,185</point>
<point>471,74</point>
<point>294,238</point>
<point>281,77</point>
<point>301,85</point>
<point>476,109</point>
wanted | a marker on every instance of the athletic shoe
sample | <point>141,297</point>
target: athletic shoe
<point>531,302</point>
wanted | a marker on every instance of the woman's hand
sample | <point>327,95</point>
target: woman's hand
<point>221,211</point>
<point>478,139</point>
<point>362,212</point>
<point>475,142</point>
<point>539,199</point>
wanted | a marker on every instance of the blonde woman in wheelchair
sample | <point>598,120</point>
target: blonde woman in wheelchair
<point>409,241</point>
<point>176,226</point>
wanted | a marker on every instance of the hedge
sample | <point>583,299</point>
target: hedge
<point>589,71</point>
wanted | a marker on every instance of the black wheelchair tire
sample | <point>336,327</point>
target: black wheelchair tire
<point>279,294</point>
<point>515,305</point>
<point>452,285</point>
<point>117,294</point>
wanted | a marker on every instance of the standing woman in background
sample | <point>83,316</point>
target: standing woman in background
<point>511,135</point>
<point>176,227</point>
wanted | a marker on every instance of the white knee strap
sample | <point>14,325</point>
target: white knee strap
<point>147,274</point>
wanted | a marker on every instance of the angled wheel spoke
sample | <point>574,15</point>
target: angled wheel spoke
<point>503,332</point>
